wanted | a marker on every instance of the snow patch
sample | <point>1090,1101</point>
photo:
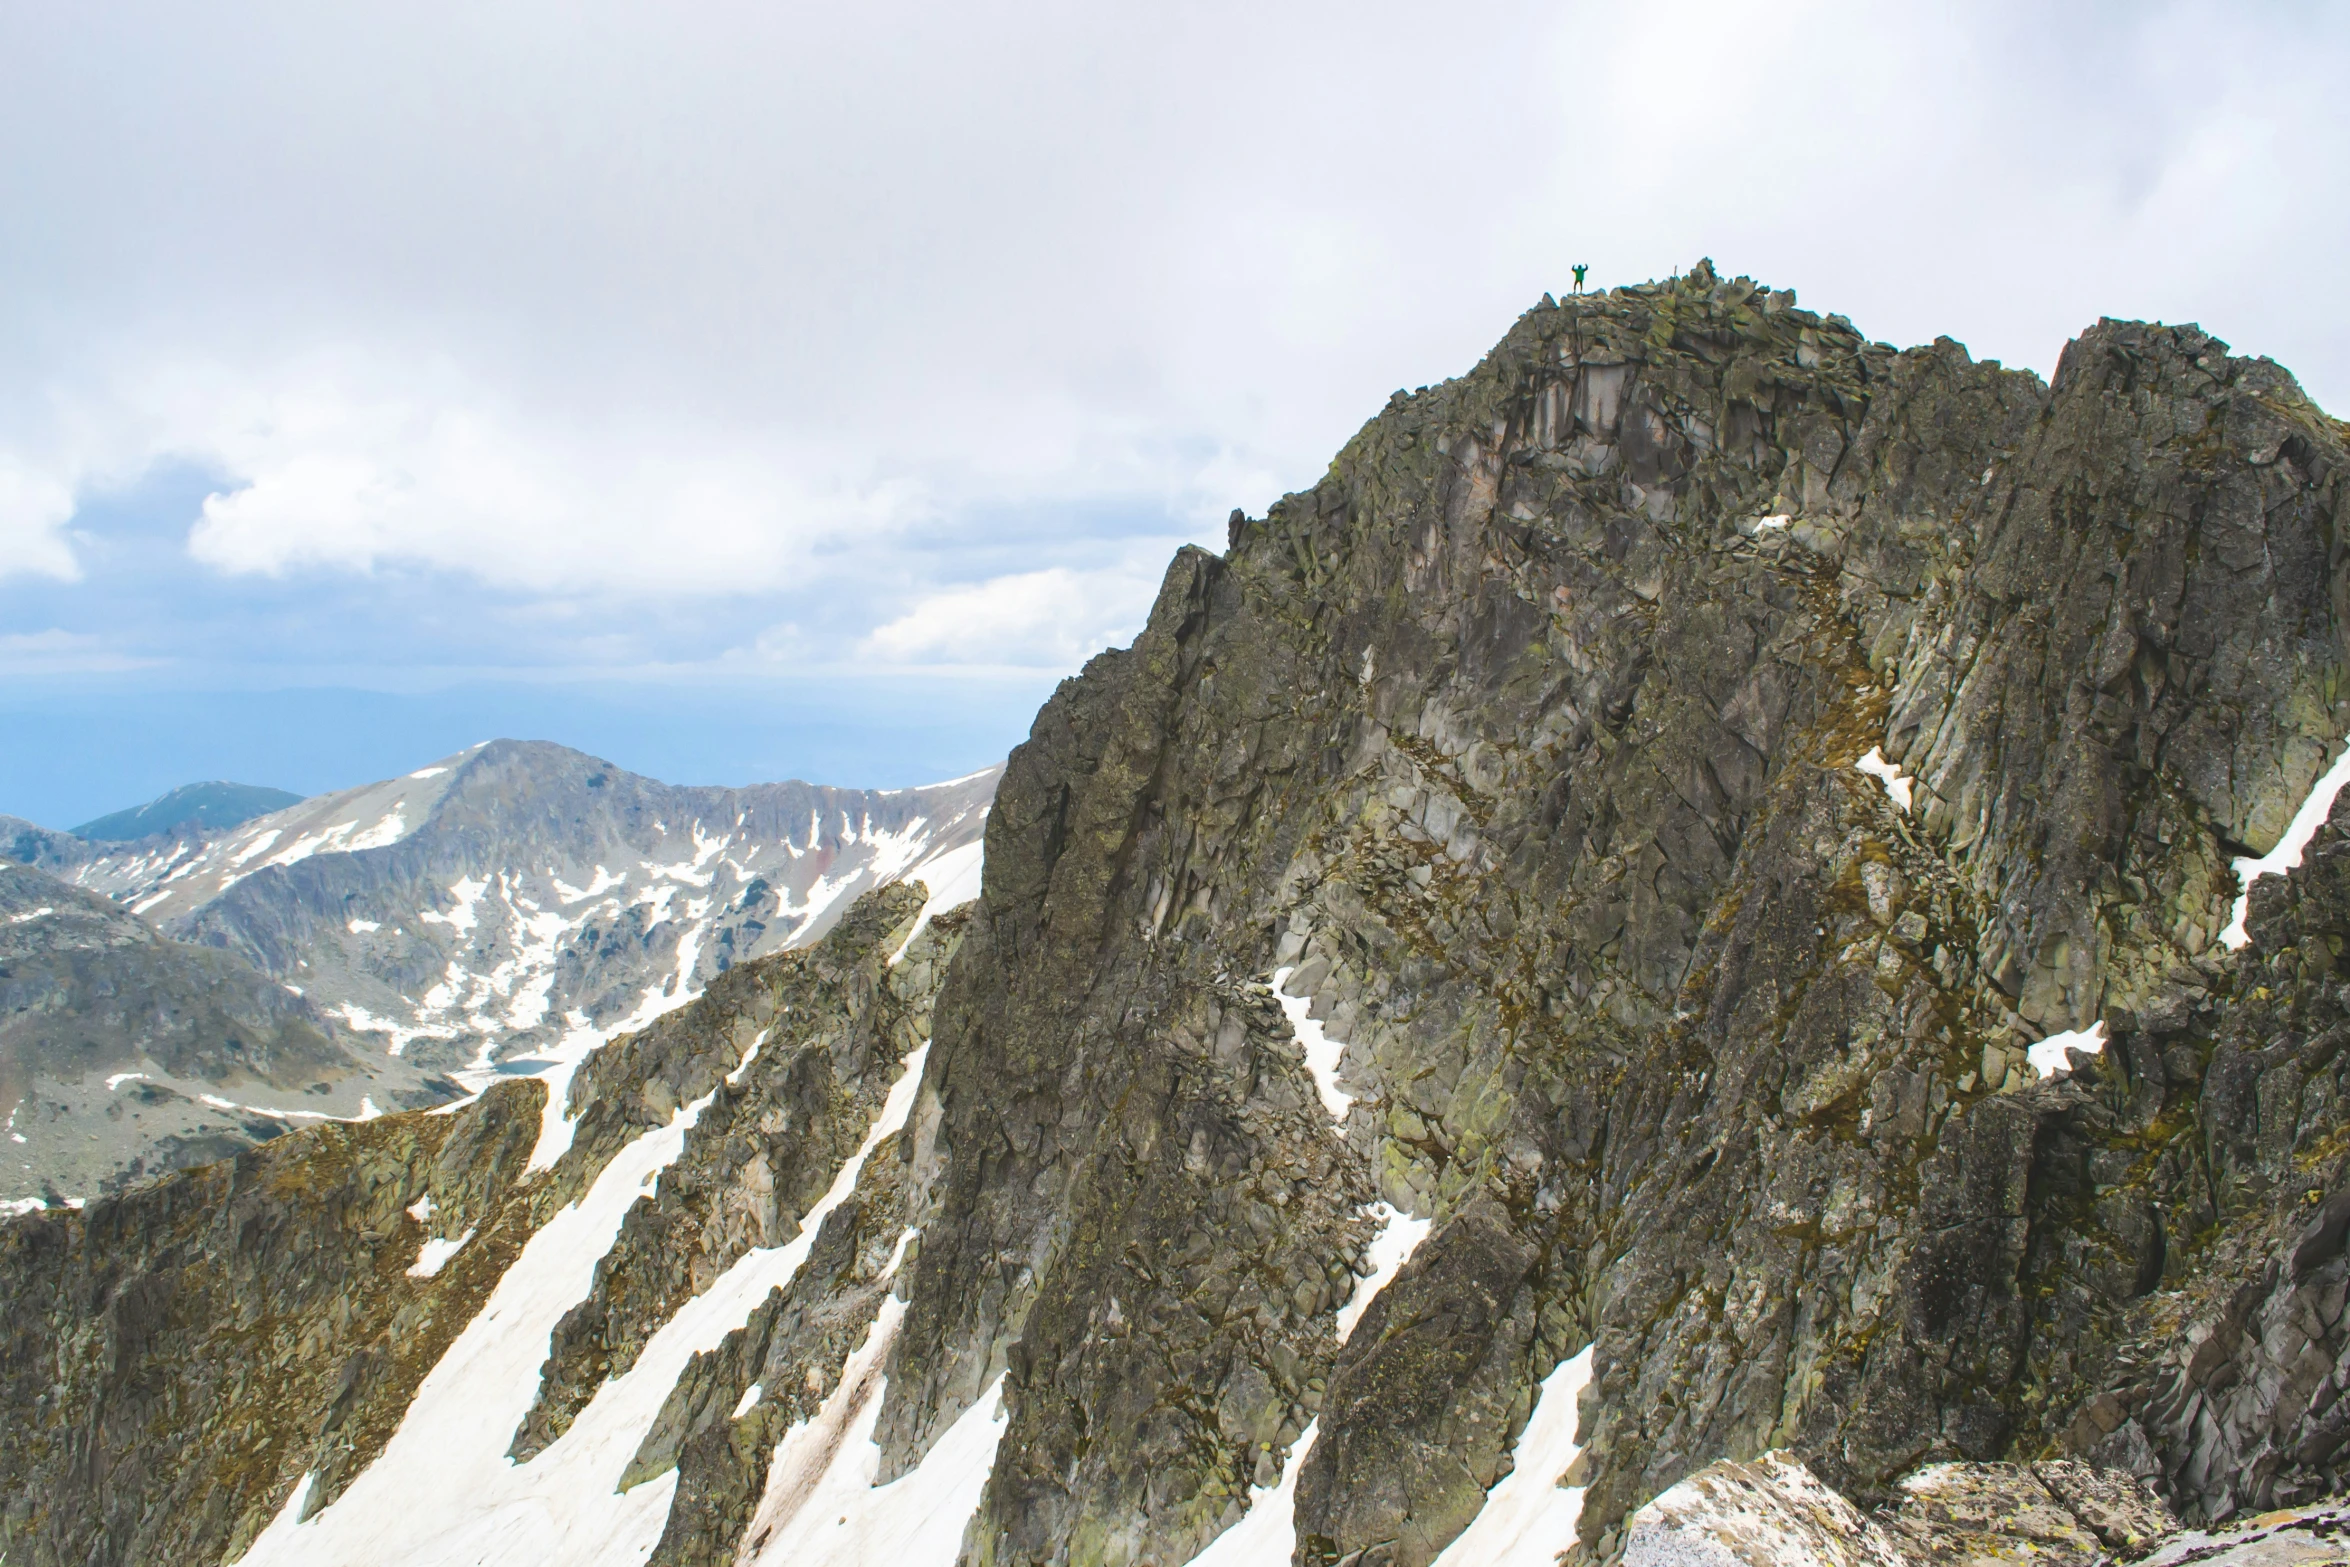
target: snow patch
<point>662,996</point>
<point>450,1447</point>
<point>367,1110</point>
<point>433,1255</point>
<point>742,1405</point>
<point>118,1079</point>
<point>1888,774</point>
<point>2047,1057</point>
<point>603,881</point>
<point>402,1035</point>
<point>1399,1236</point>
<point>361,927</point>
<point>1266,1535</point>
<point>691,871</point>
<point>41,913</point>
<point>1528,1517</point>
<point>388,830</point>
<point>1322,1052</point>
<point>1772,523</point>
<point>750,1055</point>
<point>2287,854</point>
<point>467,891</point>
<point>565,1505</point>
<point>328,840</point>
<point>259,844</point>
<point>821,1507</point>
<point>953,880</point>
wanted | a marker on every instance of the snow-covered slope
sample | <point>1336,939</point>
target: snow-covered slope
<point>522,900</point>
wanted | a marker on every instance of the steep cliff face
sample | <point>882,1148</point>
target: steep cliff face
<point>1452,959</point>
<point>1526,740</point>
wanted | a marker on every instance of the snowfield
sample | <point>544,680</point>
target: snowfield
<point>565,1505</point>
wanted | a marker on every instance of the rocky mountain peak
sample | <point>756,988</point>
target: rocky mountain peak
<point>1693,876</point>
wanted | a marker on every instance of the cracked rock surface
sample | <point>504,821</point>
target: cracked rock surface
<point>1526,739</point>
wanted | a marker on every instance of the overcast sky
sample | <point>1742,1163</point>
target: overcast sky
<point>748,390</point>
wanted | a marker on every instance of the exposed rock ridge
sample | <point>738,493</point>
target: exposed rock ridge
<point>833,1026</point>
<point>1526,737</point>
<point>186,1351</point>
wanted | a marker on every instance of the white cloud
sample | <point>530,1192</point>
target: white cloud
<point>743,301</point>
<point>1054,618</point>
<point>34,509</point>
<point>340,481</point>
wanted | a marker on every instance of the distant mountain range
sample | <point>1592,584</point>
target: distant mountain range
<point>500,912</point>
<point>124,1053</point>
<point>215,806</point>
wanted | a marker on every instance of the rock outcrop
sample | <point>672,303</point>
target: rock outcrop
<point>1526,740</point>
<point>1775,1513</point>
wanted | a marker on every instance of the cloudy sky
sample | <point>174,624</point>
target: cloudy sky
<point>743,391</point>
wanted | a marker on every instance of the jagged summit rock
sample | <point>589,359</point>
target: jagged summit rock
<point>1455,949</point>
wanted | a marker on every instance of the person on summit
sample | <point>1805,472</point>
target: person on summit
<point>1580,269</point>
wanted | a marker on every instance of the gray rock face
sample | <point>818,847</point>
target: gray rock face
<point>1527,738</point>
<point>2224,1385</point>
<point>124,1053</point>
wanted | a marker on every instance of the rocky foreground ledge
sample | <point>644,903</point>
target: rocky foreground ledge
<point>1774,1512</point>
